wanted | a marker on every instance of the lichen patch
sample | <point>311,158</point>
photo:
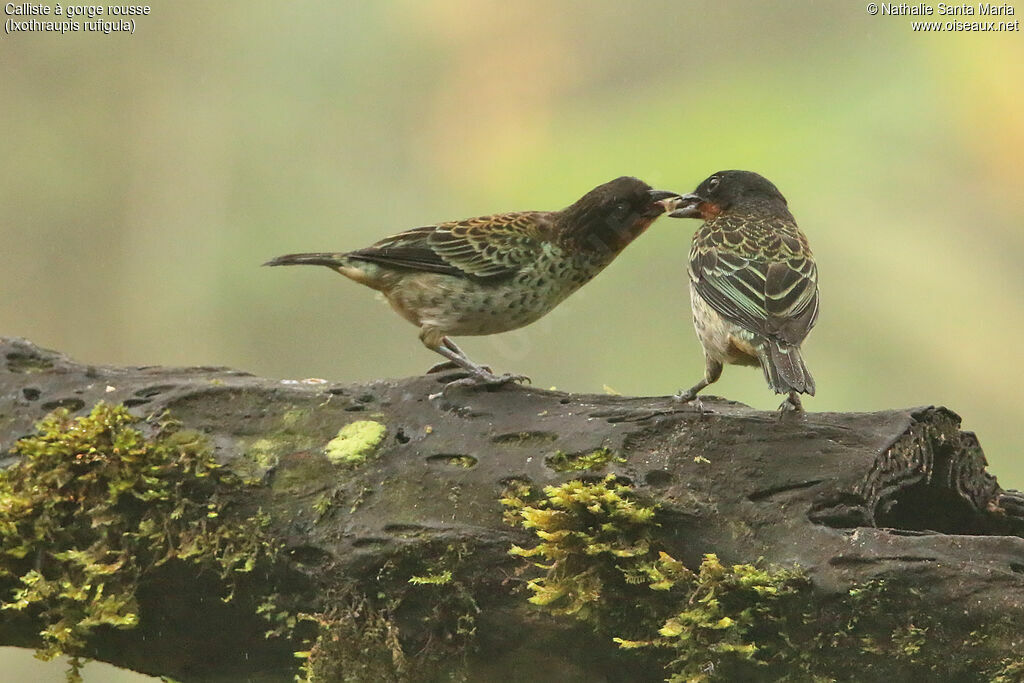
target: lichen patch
<point>355,442</point>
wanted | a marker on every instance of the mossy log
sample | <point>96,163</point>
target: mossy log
<point>864,546</point>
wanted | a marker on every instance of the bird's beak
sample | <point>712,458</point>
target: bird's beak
<point>665,200</point>
<point>688,206</point>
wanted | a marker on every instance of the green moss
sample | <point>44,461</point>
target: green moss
<point>323,505</point>
<point>595,461</point>
<point>601,561</point>
<point>440,579</point>
<point>360,639</point>
<point>597,557</point>
<point>1010,671</point>
<point>727,608</point>
<point>357,643</point>
<point>279,436</point>
<point>594,548</point>
<point>94,505</point>
<point>355,442</point>
<point>264,455</point>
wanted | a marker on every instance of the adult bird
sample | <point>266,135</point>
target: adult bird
<point>753,282</point>
<point>496,273</point>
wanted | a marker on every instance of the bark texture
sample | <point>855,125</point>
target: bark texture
<point>896,497</point>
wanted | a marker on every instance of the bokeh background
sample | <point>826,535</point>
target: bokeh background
<point>145,177</point>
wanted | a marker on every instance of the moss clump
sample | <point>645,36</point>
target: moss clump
<point>602,563</point>
<point>594,547</point>
<point>356,643</point>
<point>355,442</point>
<point>595,461</point>
<point>94,505</point>
<point>727,608</point>
<point>423,586</point>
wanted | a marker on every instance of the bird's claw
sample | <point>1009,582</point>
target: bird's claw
<point>684,396</point>
<point>791,404</point>
<point>689,396</point>
<point>486,379</point>
<point>519,379</point>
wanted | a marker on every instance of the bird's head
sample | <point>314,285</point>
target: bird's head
<point>615,213</point>
<point>732,192</point>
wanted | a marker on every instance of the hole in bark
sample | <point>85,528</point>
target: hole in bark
<point>369,542</point>
<point>406,530</point>
<point>131,402</point>
<point>1017,567</point>
<point>366,398</point>
<point>922,507</point>
<point>453,460</point>
<point>308,555</point>
<point>355,409</point>
<point>31,394</point>
<point>149,392</point>
<point>524,438</point>
<point>565,401</point>
<point>72,404</point>
<point>658,478</point>
<point>401,436</point>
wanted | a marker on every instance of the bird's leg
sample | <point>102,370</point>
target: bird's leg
<point>448,364</point>
<point>712,371</point>
<point>479,375</point>
<point>792,402</point>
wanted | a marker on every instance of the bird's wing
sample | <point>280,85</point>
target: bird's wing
<point>484,247</point>
<point>771,294</point>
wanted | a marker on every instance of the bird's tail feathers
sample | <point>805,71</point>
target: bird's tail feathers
<point>785,370</point>
<point>320,259</point>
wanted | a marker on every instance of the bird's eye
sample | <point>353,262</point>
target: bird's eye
<point>713,183</point>
<point>621,209</point>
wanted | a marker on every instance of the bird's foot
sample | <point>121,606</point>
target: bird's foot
<point>485,379</point>
<point>690,396</point>
<point>685,396</point>
<point>518,379</point>
<point>792,404</point>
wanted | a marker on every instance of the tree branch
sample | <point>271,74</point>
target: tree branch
<point>397,540</point>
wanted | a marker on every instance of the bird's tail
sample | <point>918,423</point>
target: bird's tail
<point>369,274</point>
<point>785,370</point>
<point>321,259</point>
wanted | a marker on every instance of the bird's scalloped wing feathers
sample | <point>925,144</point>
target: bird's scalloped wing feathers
<point>772,298</point>
<point>791,297</point>
<point>484,247</point>
<point>491,246</point>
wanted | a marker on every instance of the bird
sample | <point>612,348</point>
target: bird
<point>496,273</point>
<point>753,283</point>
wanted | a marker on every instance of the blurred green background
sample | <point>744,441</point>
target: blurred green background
<point>147,176</point>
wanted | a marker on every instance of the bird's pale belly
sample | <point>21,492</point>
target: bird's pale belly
<point>458,306</point>
<point>722,340</point>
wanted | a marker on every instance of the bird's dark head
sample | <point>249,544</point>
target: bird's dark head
<point>732,192</point>
<point>614,214</point>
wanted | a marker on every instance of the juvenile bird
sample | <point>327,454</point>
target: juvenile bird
<point>753,282</point>
<point>497,273</point>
